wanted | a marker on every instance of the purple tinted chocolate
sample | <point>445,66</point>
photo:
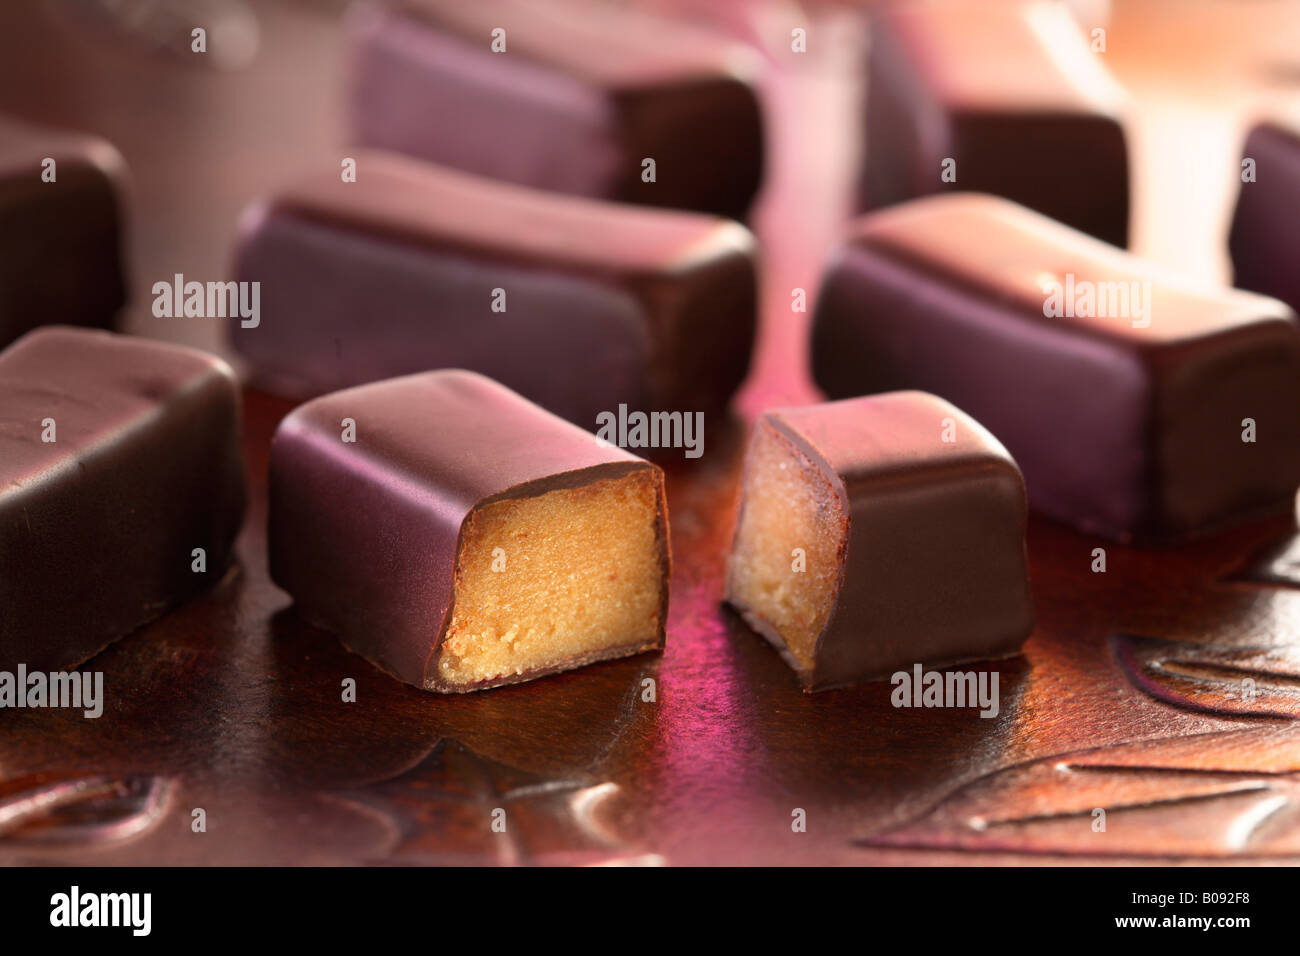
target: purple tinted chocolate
<point>578,305</point>
<point>567,95</point>
<point>1139,406</point>
<point>934,570</point>
<point>1003,98</point>
<point>1265,231</point>
<point>365,535</point>
<point>119,457</point>
<point>60,230</point>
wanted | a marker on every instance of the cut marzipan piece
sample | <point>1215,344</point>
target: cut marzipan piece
<point>460,537</point>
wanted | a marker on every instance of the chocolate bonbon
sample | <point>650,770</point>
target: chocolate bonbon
<point>1265,235</point>
<point>573,96</point>
<point>61,219</point>
<point>1005,98</point>
<point>577,305</point>
<point>877,533</point>
<point>460,537</point>
<point>1140,406</point>
<point>121,488</point>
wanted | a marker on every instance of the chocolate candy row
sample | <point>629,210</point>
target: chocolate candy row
<point>460,537</point>
<point>574,98</point>
<point>373,536</point>
<point>406,540</point>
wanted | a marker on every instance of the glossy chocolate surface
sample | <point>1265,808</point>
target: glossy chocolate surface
<point>1265,232</point>
<point>365,535</point>
<point>581,95</point>
<point>98,527</point>
<point>1128,426</point>
<point>1012,93</point>
<point>61,256</point>
<point>397,273</point>
<point>934,571</point>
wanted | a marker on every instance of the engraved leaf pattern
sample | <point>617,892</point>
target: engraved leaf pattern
<point>1205,796</point>
<point>43,811</point>
<point>441,809</point>
<point>1228,681</point>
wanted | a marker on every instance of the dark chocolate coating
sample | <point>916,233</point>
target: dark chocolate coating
<point>583,94</point>
<point>394,274</point>
<point>365,535</point>
<point>1011,92</point>
<point>1130,432</point>
<point>1265,231</point>
<point>60,242</point>
<point>935,570</point>
<point>97,529</point>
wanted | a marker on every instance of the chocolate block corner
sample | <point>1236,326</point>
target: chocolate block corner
<point>1002,98</point>
<point>911,520</point>
<point>569,95</point>
<point>1264,233</point>
<point>120,459</point>
<point>61,213</point>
